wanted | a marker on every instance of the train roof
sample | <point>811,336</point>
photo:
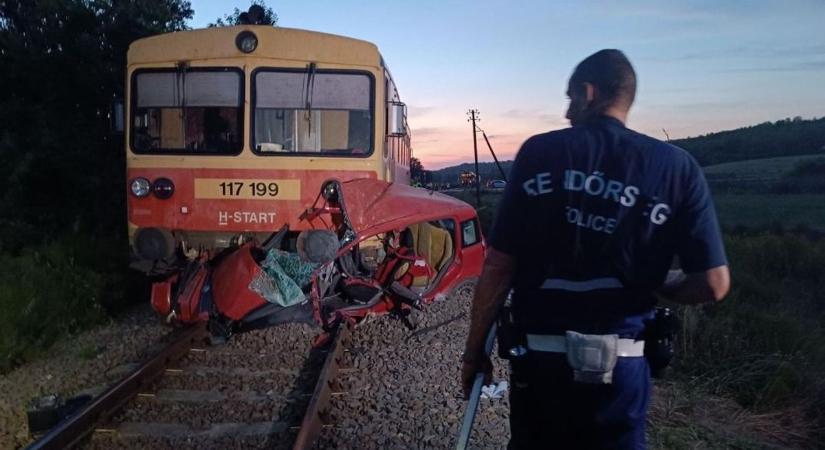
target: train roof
<point>273,42</point>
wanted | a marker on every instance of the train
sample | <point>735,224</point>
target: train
<point>268,176</point>
<point>231,131</point>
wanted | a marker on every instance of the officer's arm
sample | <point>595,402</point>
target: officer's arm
<point>699,245</point>
<point>694,288</point>
<point>490,293</point>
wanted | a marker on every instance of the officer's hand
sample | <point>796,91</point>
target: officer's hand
<point>469,369</point>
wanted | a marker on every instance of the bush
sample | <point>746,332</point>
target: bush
<point>56,289</point>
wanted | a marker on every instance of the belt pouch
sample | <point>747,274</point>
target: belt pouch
<point>592,356</point>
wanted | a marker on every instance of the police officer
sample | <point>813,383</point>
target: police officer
<point>585,235</point>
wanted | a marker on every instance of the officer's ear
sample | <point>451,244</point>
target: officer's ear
<point>589,92</point>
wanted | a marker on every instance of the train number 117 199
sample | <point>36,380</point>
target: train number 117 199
<point>251,189</point>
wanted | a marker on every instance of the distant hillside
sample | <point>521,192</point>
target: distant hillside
<point>767,140</point>
<point>762,168</point>
<point>487,170</point>
<point>788,137</point>
<point>785,174</point>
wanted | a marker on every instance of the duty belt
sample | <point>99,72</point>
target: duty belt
<point>558,344</point>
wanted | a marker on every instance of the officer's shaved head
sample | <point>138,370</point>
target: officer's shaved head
<point>612,77</point>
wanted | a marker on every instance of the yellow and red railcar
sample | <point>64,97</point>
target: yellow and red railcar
<point>232,130</point>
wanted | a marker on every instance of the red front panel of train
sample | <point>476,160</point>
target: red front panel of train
<point>231,199</point>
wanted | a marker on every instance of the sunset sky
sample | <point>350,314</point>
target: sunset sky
<point>703,66</point>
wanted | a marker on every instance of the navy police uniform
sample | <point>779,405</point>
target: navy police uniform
<point>594,215</point>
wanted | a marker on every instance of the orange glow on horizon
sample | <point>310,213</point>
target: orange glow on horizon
<point>438,147</point>
<point>442,140</point>
<point>449,148</point>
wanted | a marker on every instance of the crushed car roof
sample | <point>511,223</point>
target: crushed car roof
<point>374,205</point>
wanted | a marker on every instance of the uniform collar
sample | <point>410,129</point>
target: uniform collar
<point>605,120</point>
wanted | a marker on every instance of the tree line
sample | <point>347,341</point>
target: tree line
<point>61,168</point>
<point>63,246</point>
<point>786,137</point>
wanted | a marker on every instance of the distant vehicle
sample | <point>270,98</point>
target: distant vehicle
<point>497,184</point>
<point>467,178</point>
<point>230,131</point>
<point>400,248</point>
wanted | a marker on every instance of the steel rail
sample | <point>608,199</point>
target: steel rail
<point>316,413</point>
<point>475,395</point>
<point>74,428</point>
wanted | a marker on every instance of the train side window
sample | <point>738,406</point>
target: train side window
<point>469,233</point>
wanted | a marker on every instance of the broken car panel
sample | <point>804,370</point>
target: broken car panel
<point>371,247</point>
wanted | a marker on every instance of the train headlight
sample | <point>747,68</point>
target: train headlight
<point>140,187</point>
<point>246,41</point>
<point>163,188</point>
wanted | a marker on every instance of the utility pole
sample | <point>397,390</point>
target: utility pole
<point>473,113</point>
<point>495,158</point>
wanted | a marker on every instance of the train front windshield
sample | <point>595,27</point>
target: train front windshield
<point>187,111</point>
<point>304,112</point>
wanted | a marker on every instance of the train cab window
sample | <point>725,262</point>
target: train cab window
<point>312,112</point>
<point>187,111</point>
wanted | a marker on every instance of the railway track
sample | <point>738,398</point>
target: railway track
<point>265,389</point>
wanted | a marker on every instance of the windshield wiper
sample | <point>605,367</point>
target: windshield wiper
<point>308,98</point>
<point>182,68</point>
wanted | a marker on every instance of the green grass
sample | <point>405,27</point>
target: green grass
<point>771,169</point>
<point>769,210</point>
<point>687,436</point>
<point>56,289</point>
<point>762,346</point>
<point>753,211</point>
<point>87,351</point>
<point>770,175</point>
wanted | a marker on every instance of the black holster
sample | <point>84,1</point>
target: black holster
<point>512,342</point>
<point>660,332</point>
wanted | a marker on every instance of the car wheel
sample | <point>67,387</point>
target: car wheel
<point>464,290</point>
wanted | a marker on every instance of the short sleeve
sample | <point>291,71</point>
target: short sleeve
<point>699,240</point>
<point>509,226</point>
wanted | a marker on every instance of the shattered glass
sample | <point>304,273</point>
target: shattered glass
<point>282,277</point>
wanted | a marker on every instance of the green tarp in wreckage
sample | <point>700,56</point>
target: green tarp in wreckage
<point>283,277</point>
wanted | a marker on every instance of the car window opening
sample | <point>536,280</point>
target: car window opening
<point>414,258</point>
<point>469,233</point>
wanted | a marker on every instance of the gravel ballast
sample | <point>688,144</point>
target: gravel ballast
<point>404,391</point>
<point>90,360</point>
<point>223,396</point>
<point>401,388</point>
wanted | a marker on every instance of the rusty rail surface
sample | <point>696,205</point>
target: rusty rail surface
<point>73,429</point>
<point>317,411</point>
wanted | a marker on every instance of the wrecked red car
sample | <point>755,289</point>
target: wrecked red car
<point>372,247</point>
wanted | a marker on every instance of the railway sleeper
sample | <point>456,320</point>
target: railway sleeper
<point>173,431</point>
